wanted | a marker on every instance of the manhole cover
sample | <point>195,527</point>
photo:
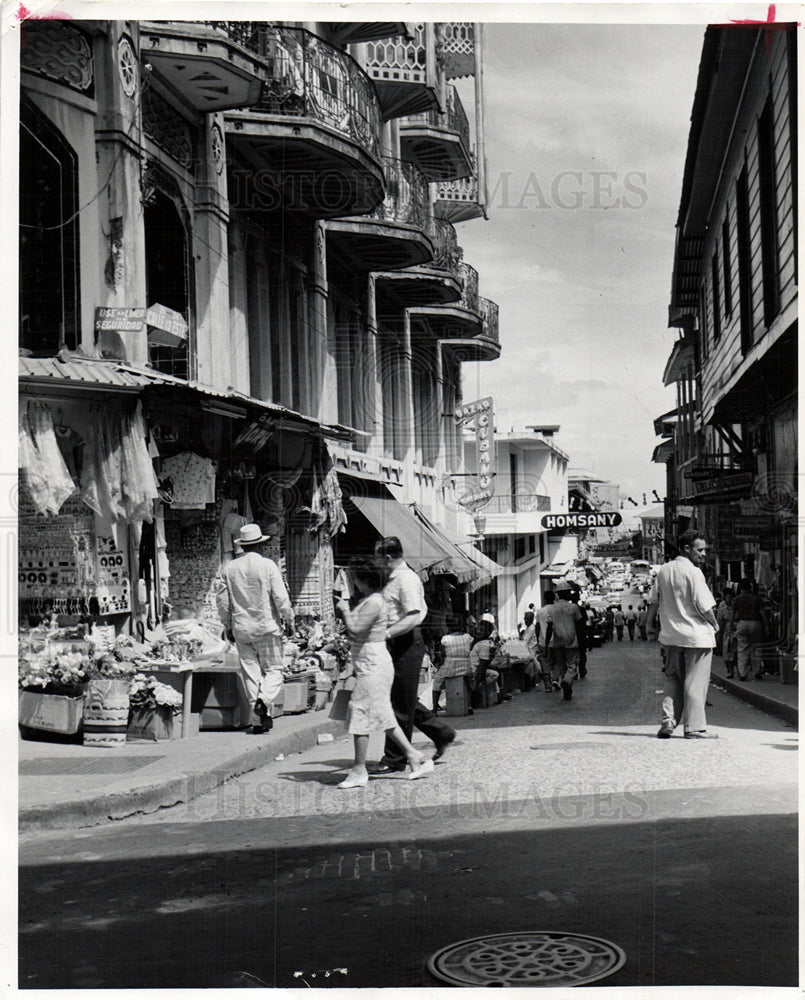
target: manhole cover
<point>569,746</point>
<point>82,765</point>
<point>527,958</point>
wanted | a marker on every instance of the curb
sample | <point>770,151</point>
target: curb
<point>752,696</point>
<point>98,809</point>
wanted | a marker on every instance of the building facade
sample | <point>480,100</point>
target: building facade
<point>730,445</point>
<point>246,229</point>
<point>530,482</point>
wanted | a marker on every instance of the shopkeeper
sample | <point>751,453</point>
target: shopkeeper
<point>251,598</point>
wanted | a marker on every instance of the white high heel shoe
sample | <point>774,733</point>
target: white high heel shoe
<point>354,782</point>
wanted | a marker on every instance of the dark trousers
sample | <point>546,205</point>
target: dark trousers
<point>407,652</point>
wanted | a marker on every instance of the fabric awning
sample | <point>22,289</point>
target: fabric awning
<point>467,568</point>
<point>425,551</point>
<point>488,568</point>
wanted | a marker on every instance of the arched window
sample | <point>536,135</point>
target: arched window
<point>49,299</point>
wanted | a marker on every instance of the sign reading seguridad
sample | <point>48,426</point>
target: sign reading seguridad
<point>597,519</point>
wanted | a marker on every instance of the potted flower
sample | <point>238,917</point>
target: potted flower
<point>154,709</point>
<point>52,686</point>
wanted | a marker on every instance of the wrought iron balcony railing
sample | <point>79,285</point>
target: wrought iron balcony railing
<point>454,118</point>
<point>447,253</point>
<point>407,198</point>
<point>489,314</point>
<point>517,503</point>
<point>309,78</point>
<point>469,293</point>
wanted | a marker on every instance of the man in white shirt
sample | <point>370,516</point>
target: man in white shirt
<point>550,679</point>
<point>685,606</point>
<point>251,597</point>
<point>405,610</point>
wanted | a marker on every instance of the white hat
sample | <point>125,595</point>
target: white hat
<point>487,617</point>
<point>562,585</point>
<point>251,534</point>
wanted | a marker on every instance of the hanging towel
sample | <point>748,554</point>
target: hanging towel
<point>46,474</point>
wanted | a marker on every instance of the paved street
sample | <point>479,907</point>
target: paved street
<point>545,815</point>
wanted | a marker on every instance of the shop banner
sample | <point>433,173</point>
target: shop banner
<point>483,413</point>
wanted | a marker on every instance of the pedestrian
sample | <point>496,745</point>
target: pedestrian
<point>550,679</point>
<point>251,599</point>
<point>609,625</point>
<point>482,652</point>
<point>575,597</point>
<point>455,646</point>
<point>685,606</point>
<point>404,596</point>
<point>564,636</point>
<point>726,630</point>
<point>531,639</point>
<point>619,621</point>
<point>370,703</point>
<point>747,616</point>
<point>631,621</point>
<point>642,618</point>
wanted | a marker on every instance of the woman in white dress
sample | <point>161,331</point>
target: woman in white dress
<point>370,705</point>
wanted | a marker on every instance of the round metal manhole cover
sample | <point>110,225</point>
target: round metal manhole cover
<point>527,958</point>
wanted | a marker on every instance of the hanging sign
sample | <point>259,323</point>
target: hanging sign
<point>483,413</point>
<point>122,319</point>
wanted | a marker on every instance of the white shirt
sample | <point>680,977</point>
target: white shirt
<point>684,598</point>
<point>251,595</point>
<point>403,594</point>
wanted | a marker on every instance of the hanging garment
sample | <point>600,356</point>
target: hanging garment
<point>193,479</point>
<point>139,486</point>
<point>46,474</point>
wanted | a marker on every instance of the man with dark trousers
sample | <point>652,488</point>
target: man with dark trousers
<point>406,609</point>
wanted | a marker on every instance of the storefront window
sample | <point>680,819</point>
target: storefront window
<point>48,263</point>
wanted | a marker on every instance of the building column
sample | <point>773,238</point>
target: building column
<point>507,600</point>
<point>373,383</point>
<point>239,334</point>
<point>405,417</point>
<point>211,255</point>
<point>325,401</point>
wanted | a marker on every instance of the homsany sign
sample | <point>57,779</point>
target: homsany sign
<point>596,519</point>
<point>482,412</point>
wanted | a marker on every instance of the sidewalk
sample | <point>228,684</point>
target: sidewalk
<point>68,785</point>
<point>768,694</point>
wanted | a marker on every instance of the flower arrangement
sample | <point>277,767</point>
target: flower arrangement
<point>116,663</point>
<point>147,692</point>
<point>55,673</point>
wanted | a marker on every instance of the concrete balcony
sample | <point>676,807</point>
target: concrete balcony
<point>439,142</point>
<point>458,322</point>
<point>517,503</point>
<point>397,233</point>
<point>310,143</point>
<point>485,344</point>
<point>436,283</point>
<point>201,64</point>
<point>460,200</point>
<point>404,71</point>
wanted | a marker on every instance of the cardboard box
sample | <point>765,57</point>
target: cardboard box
<point>295,697</point>
<point>54,713</point>
<point>154,725</point>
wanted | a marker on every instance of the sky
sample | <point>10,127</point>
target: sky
<point>586,136</point>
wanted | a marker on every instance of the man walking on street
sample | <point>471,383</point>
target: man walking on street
<point>405,610</point>
<point>563,636</point>
<point>747,615</point>
<point>685,606</point>
<point>620,621</point>
<point>642,618</point>
<point>251,597</point>
<point>631,621</point>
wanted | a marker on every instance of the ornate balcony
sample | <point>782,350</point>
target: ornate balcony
<point>457,48</point>
<point>310,143</point>
<point>439,142</point>
<point>404,71</point>
<point>201,64</point>
<point>353,32</point>
<point>397,233</point>
<point>460,200</point>
<point>436,283</point>
<point>458,321</point>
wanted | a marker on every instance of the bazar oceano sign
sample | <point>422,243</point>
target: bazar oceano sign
<point>598,519</point>
<point>481,411</point>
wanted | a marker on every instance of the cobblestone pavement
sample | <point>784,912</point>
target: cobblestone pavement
<point>544,814</point>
